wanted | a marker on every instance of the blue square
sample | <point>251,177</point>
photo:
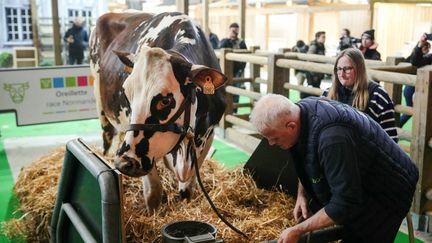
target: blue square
<point>58,82</point>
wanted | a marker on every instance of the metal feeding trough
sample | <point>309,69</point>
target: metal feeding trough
<point>189,232</point>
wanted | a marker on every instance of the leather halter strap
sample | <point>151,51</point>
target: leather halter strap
<point>170,125</point>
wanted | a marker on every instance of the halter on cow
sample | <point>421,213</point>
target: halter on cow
<point>168,95</point>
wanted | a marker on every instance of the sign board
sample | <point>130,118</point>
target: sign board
<point>48,94</point>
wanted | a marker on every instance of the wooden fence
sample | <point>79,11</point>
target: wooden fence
<point>392,73</point>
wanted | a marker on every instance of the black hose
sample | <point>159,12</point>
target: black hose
<point>195,162</point>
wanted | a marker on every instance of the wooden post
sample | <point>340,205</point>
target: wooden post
<point>277,76</point>
<point>56,32</point>
<point>35,31</point>
<point>394,90</point>
<point>254,72</point>
<point>283,50</point>
<point>227,69</point>
<point>421,153</point>
<point>242,13</point>
<point>183,6</point>
<point>205,16</point>
<point>372,13</point>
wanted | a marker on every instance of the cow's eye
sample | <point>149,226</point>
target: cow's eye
<point>166,101</point>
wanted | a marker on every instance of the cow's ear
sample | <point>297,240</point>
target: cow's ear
<point>127,59</point>
<point>208,79</point>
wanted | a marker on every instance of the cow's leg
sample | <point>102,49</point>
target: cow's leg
<point>187,189</point>
<point>152,188</point>
<point>108,132</point>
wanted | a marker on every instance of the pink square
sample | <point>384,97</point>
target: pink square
<point>82,80</point>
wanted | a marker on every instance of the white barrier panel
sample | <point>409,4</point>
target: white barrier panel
<point>48,94</point>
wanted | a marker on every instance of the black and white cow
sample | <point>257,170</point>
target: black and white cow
<point>154,81</point>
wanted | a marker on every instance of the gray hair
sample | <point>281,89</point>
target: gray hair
<point>268,110</point>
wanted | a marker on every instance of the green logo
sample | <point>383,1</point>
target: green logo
<point>45,83</point>
<point>16,91</point>
<point>317,180</point>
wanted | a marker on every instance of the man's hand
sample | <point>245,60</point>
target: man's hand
<point>70,39</point>
<point>289,235</point>
<point>423,40</point>
<point>301,210</point>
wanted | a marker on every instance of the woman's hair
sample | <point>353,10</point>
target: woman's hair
<point>360,88</point>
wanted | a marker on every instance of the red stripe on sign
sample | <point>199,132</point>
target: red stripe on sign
<point>82,80</point>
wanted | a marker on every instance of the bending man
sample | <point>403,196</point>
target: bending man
<point>351,172</point>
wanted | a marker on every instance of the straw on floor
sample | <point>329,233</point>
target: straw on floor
<point>261,214</point>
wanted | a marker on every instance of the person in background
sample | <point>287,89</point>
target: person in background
<point>300,47</point>
<point>346,41</point>
<point>214,40</point>
<point>76,39</point>
<point>351,172</point>
<point>235,43</point>
<point>350,86</point>
<point>369,46</point>
<point>316,47</point>
<point>419,57</point>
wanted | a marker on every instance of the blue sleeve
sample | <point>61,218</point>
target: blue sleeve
<point>340,164</point>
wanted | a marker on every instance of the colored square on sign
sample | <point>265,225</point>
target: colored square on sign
<point>58,82</point>
<point>91,80</point>
<point>45,83</point>
<point>82,80</point>
<point>70,81</point>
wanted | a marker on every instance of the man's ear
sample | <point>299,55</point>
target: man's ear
<point>291,125</point>
<point>208,79</point>
<point>127,59</point>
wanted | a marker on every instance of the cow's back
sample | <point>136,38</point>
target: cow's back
<point>113,32</point>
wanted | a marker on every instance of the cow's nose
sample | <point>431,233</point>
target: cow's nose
<point>128,166</point>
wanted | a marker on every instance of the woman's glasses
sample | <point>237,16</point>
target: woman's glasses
<point>346,70</point>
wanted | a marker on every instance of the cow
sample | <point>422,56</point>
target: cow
<point>159,93</point>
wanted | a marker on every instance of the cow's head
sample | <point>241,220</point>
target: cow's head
<point>160,89</point>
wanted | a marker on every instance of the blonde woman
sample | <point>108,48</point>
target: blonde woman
<point>350,85</point>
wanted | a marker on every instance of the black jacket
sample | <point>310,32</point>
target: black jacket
<point>316,47</point>
<point>80,37</point>
<point>351,168</point>
<point>371,53</point>
<point>235,44</point>
<point>418,59</point>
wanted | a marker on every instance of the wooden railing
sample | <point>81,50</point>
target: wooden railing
<point>392,73</point>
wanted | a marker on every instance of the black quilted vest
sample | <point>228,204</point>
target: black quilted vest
<point>389,176</point>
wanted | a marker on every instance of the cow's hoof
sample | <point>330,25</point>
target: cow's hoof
<point>185,194</point>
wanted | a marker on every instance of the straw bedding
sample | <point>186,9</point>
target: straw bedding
<point>261,214</point>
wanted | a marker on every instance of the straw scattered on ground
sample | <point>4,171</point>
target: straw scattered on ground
<point>261,214</point>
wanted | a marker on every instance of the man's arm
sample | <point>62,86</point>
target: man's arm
<point>301,209</point>
<point>317,221</point>
<point>417,57</point>
<point>312,49</point>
